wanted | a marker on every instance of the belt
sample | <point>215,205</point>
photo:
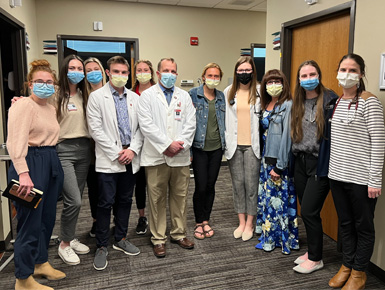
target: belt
<point>125,146</point>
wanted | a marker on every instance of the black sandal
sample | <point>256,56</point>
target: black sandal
<point>202,234</point>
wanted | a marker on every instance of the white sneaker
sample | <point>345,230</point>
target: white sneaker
<point>68,256</point>
<point>78,247</point>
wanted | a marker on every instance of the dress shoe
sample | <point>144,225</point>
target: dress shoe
<point>357,281</point>
<point>303,270</point>
<point>30,284</point>
<point>47,271</point>
<point>340,278</point>
<point>247,236</point>
<point>237,234</point>
<point>184,243</point>
<point>160,250</point>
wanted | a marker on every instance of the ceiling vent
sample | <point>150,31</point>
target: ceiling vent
<point>241,2</point>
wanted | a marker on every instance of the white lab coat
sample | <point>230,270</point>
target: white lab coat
<point>162,124</point>
<point>231,122</point>
<point>103,127</point>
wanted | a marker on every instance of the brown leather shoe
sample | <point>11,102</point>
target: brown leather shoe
<point>357,281</point>
<point>184,243</point>
<point>340,278</point>
<point>160,250</point>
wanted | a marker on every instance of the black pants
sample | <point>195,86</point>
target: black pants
<point>206,165</point>
<point>93,193</point>
<point>355,213</point>
<point>311,193</point>
<point>140,189</point>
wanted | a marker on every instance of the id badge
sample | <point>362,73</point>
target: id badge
<point>71,107</point>
<point>178,114</point>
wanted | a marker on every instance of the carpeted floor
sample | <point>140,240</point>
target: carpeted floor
<point>220,262</point>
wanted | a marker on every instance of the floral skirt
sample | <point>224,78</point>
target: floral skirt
<point>277,212</point>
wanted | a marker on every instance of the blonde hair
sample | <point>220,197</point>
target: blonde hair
<point>212,65</point>
<point>88,85</point>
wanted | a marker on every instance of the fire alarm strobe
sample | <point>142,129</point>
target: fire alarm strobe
<point>194,40</point>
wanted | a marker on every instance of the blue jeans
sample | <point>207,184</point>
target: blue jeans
<point>114,188</point>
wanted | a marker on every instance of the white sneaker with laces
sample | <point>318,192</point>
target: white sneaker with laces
<point>78,247</point>
<point>68,256</point>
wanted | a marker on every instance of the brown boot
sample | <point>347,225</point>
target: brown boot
<point>47,271</point>
<point>340,278</point>
<point>30,284</point>
<point>356,281</point>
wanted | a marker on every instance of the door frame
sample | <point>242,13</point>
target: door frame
<point>287,30</point>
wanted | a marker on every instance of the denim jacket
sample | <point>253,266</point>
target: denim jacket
<point>202,111</point>
<point>278,140</point>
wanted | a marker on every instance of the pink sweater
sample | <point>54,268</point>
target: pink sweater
<point>30,124</point>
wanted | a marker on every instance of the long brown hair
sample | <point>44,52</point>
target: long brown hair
<point>274,74</point>
<point>298,108</point>
<point>253,84</point>
<point>64,88</point>
<point>361,63</point>
<point>152,81</point>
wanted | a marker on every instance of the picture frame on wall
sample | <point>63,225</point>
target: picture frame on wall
<point>382,72</point>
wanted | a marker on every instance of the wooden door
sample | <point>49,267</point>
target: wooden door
<point>325,41</point>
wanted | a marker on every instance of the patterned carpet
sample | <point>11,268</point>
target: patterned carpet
<point>220,262</point>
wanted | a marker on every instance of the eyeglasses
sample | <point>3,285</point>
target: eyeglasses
<point>40,83</point>
<point>242,71</point>
<point>272,82</point>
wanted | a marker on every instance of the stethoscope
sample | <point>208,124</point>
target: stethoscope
<point>232,102</point>
<point>348,120</point>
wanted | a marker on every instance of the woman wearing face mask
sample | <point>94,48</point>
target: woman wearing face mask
<point>96,78</point>
<point>144,78</point>
<point>277,214</point>
<point>33,131</point>
<point>310,131</point>
<point>242,143</point>
<point>208,146</point>
<point>74,153</point>
<point>355,170</point>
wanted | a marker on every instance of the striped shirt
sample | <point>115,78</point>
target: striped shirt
<point>357,142</point>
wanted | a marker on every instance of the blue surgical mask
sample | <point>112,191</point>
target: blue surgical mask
<point>75,77</point>
<point>94,77</point>
<point>43,91</point>
<point>168,80</point>
<point>310,84</point>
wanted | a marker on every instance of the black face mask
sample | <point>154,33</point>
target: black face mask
<point>244,78</point>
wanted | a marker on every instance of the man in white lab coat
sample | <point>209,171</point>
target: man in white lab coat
<point>113,124</point>
<point>167,121</point>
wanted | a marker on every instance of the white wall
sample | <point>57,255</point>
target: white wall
<point>368,42</point>
<point>163,31</point>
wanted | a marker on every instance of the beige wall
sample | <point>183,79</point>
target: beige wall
<point>369,23</point>
<point>27,15</point>
<point>163,31</point>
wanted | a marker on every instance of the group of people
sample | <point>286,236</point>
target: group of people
<point>83,129</point>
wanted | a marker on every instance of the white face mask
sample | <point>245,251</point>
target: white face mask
<point>211,84</point>
<point>348,80</point>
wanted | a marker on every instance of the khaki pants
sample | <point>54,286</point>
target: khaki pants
<point>163,179</point>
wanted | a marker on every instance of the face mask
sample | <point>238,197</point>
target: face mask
<point>348,80</point>
<point>143,78</point>
<point>118,80</point>
<point>168,80</point>
<point>94,77</point>
<point>244,78</point>
<point>44,91</point>
<point>212,84</point>
<point>75,77</point>
<point>310,84</point>
<point>274,90</point>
